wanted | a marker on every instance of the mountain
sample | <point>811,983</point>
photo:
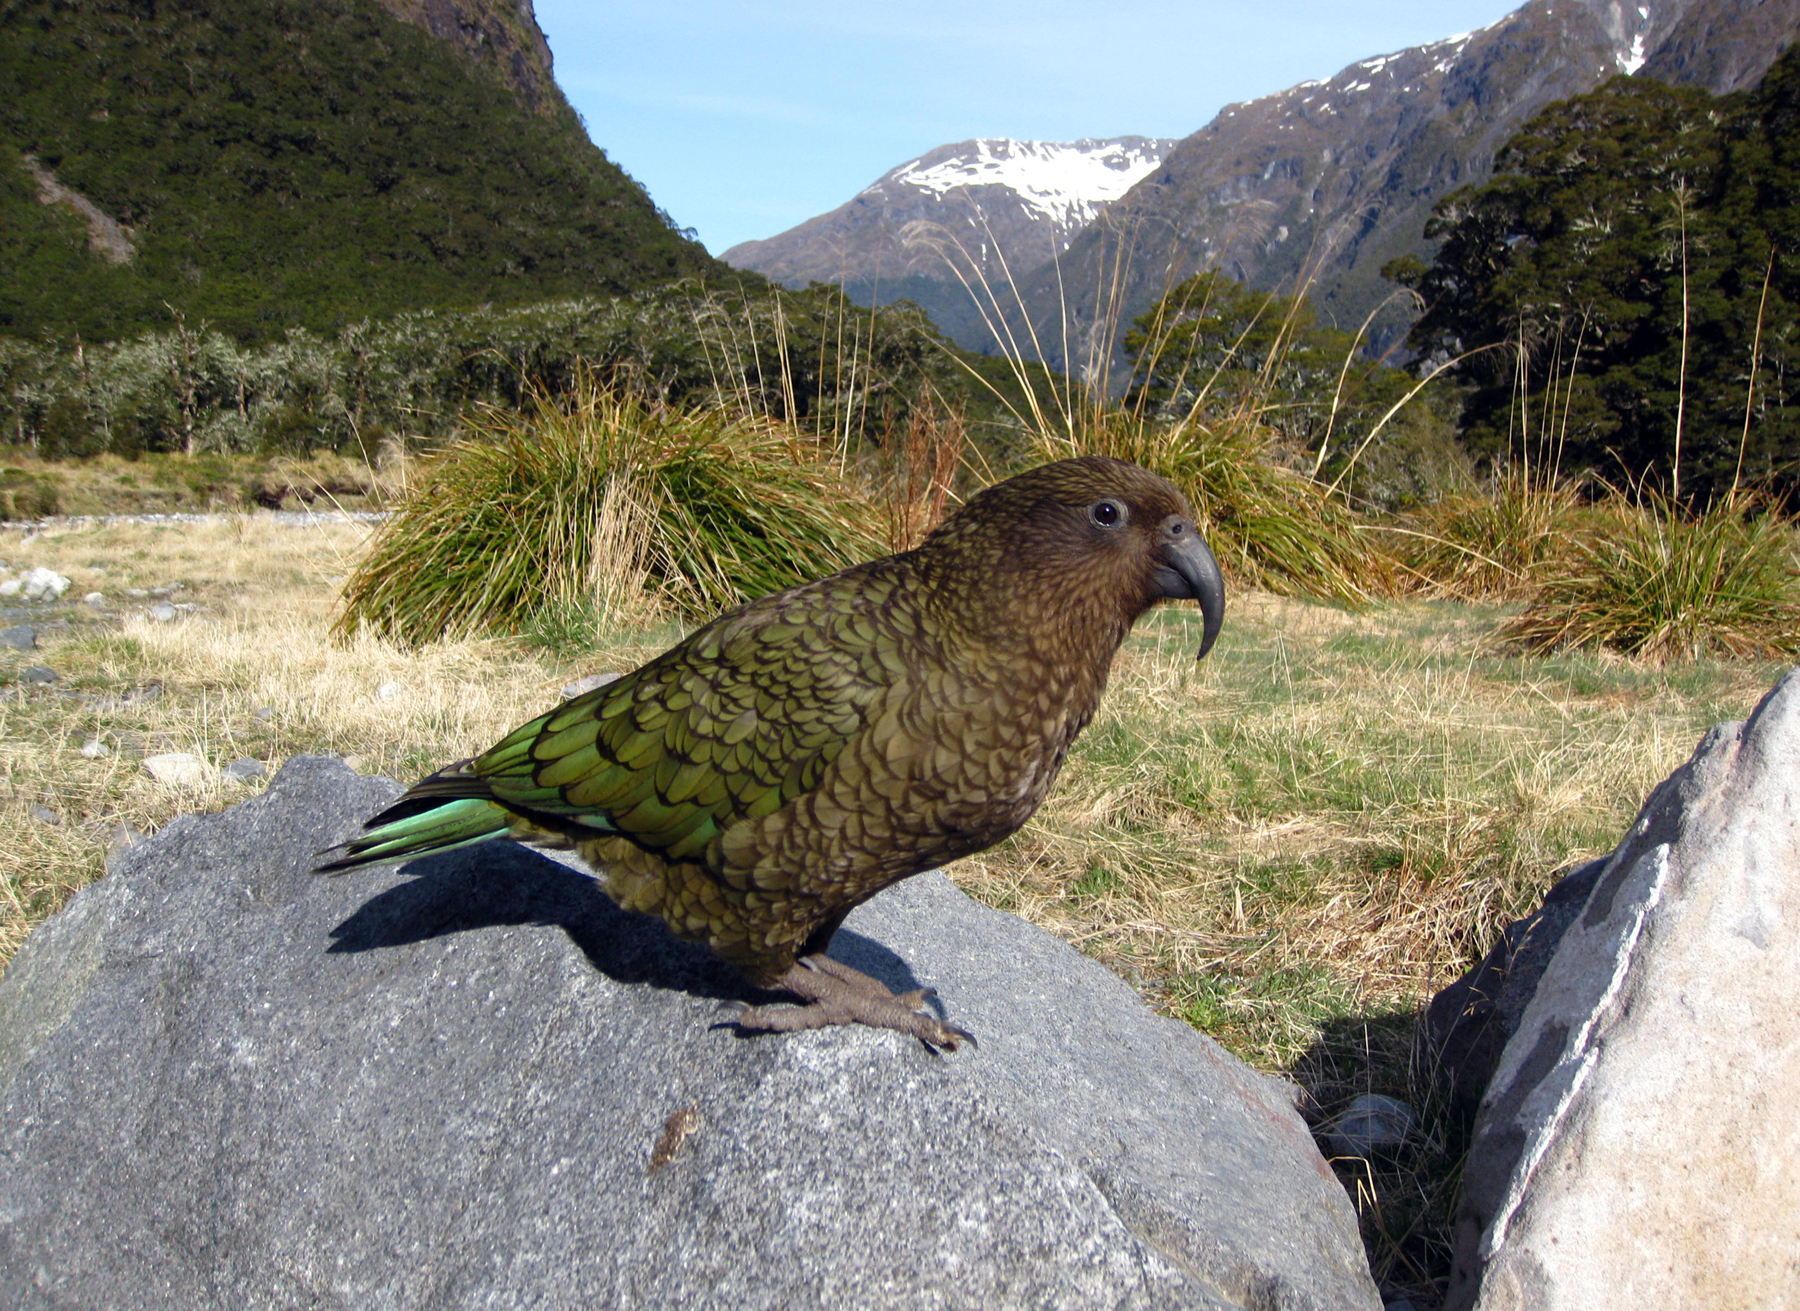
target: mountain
<point>1322,184</point>
<point>502,39</point>
<point>266,164</point>
<point>986,209</point>
<point>1318,185</point>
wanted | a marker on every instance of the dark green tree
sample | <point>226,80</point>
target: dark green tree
<point>1604,288</point>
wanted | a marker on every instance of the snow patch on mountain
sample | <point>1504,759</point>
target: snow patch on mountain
<point>1066,182</point>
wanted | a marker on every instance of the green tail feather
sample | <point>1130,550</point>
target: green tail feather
<point>457,823</point>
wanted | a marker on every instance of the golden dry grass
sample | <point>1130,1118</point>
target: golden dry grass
<point>264,594</point>
<point>1349,805</point>
<point>1291,845</point>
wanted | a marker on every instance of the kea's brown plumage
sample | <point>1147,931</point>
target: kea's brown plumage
<point>786,762</point>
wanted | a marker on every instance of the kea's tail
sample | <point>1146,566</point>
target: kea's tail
<point>450,809</point>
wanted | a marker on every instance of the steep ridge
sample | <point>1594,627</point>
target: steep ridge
<point>1315,186</point>
<point>501,36</point>
<point>266,164</point>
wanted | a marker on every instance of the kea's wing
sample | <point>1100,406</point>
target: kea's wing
<point>732,724</point>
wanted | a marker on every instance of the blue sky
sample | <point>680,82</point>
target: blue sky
<point>745,117</point>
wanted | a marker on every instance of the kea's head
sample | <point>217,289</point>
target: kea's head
<point>1079,542</point>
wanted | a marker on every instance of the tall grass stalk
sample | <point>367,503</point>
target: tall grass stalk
<point>1491,544</point>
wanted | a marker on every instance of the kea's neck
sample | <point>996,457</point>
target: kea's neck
<point>1029,620</point>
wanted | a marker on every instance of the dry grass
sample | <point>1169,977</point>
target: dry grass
<point>257,637</point>
<point>173,483</point>
<point>1290,845</point>
<point>1360,799</point>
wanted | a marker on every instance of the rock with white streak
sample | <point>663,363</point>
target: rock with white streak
<point>1637,1145</point>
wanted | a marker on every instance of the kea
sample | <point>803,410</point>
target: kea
<point>795,756</point>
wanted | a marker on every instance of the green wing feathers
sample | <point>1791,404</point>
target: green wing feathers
<point>730,725</point>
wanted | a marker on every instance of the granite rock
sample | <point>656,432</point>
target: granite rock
<point>1636,1144</point>
<point>227,1082</point>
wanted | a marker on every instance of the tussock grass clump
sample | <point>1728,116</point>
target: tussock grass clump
<point>1270,525</point>
<point>1652,582</point>
<point>1491,545</point>
<point>604,501</point>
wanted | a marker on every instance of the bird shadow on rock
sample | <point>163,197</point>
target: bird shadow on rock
<point>499,884</point>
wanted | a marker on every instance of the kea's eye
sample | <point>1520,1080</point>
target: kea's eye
<point>1107,514</point>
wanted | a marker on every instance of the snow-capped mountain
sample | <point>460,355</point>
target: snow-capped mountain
<point>1323,183</point>
<point>985,206</point>
<point>1318,185</point>
<point>1062,183</point>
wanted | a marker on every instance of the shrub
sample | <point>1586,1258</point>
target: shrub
<point>1649,581</point>
<point>602,500</point>
<point>1492,544</point>
<point>26,495</point>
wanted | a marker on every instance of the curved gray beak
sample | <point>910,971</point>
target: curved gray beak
<point>1189,573</point>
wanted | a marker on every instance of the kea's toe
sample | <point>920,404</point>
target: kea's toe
<point>838,994</point>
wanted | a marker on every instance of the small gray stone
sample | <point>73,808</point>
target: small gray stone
<point>388,692</point>
<point>20,638</point>
<point>11,587</point>
<point>588,684</point>
<point>45,815</point>
<point>1372,1125</point>
<point>245,768</point>
<point>265,713</point>
<point>95,749</point>
<point>95,599</point>
<point>37,674</point>
<point>164,613</point>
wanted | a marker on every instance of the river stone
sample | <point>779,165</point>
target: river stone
<point>1637,1142</point>
<point>227,1082</point>
<point>177,768</point>
<point>43,584</point>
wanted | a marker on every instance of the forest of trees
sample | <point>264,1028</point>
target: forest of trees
<point>281,164</point>
<point>1626,289</point>
<point>342,230</point>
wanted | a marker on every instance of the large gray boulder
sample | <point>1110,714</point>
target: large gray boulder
<point>1637,1145</point>
<point>225,1082</point>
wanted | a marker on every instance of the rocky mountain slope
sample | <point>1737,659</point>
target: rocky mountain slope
<point>500,36</point>
<point>1321,184</point>
<point>1316,186</point>
<point>973,212</point>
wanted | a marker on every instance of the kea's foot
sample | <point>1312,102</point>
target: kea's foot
<point>840,995</point>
